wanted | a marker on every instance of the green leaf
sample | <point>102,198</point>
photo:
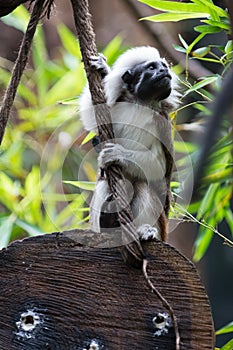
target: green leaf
<point>229,219</point>
<point>174,17</point>
<point>84,185</point>
<point>212,9</point>
<point>201,52</point>
<point>229,47</point>
<point>6,226</point>
<point>202,243</point>
<point>183,42</point>
<point>32,230</point>
<point>228,346</point>
<point>207,29</point>
<point>112,50</point>
<point>184,147</point>
<point>226,329</point>
<point>201,84</point>
<point>207,201</point>
<point>89,137</point>
<point>176,7</point>
<point>17,19</point>
<point>218,176</point>
<point>195,41</point>
<point>69,41</point>
<point>66,86</point>
<point>222,25</point>
<point>179,48</point>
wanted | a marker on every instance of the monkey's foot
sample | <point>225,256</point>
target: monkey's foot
<point>147,232</point>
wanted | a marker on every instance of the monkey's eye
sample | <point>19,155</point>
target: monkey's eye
<point>164,65</point>
<point>152,66</point>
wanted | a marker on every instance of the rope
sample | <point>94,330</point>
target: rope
<point>19,66</point>
<point>132,252</point>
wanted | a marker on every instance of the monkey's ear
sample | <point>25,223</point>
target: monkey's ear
<point>127,77</point>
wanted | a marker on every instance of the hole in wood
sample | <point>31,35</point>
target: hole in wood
<point>29,320</point>
<point>94,345</point>
<point>162,322</point>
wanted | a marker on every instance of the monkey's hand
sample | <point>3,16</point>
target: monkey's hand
<point>112,153</point>
<point>100,64</point>
<point>147,232</point>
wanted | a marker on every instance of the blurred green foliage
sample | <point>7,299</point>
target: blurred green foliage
<point>216,190</point>
<point>214,204</point>
<point>41,151</point>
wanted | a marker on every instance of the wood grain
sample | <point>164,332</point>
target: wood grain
<point>81,296</point>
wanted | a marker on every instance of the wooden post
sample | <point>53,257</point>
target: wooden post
<point>56,293</point>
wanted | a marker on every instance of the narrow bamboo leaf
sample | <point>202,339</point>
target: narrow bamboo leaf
<point>174,17</point>
<point>195,41</point>
<point>217,10</point>
<point>201,52</point>
<point>32,230</point>
<point>226,329</point>
<point>219,176</point>
<point>207,29</point>
<point>69,41</point>
<point>202,243</point>
<point>228,346</point>
<point>201,84</point>
<point>176,7</point>
<point>183,42</point>
<point>186,147</point>
<point>179,48</point>
<point>17,19</point>
<point>89,137</point>
<point>229,47</point>
<point>229,219</point>
<point>222,25</point>
<point>207,201</point>
<point>84,185</point>
<point>6,226</point>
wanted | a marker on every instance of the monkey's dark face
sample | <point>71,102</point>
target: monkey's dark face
<point>149,81</point>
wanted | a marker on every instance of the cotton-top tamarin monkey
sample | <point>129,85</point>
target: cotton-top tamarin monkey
<point>140,90</point>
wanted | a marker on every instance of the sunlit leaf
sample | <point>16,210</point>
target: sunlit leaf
<point>207,200</point>
<point>207,29</point>
<point>220,24</point>
<point>218,11</point>
<point>226,329</point>
<point>179,48</point>
<point>84,185</point>
<point>17,19</point>
<point>6,226</point>
<point>202,243</point>
<point>69,41</point>
<point>176,7</point>
<point>174,17</point>
<point>183,42</point>
<point>32,230</point>
<point>229,47</point>
<point>228,346</point>
<point>229,219</point>
<point>201,52</point>
<point>201,84</point>
<point>89,137</point>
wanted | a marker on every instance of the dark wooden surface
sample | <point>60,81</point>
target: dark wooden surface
<point>76,296</point>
